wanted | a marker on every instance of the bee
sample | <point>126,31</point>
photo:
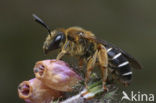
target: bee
<point>81,43</point>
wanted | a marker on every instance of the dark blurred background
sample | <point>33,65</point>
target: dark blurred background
<point>130,24</point>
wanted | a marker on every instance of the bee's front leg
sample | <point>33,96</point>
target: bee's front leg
<point>63,51</point>
<point>103,61</point>
<point>60,55</point>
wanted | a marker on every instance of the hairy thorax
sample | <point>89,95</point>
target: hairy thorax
<point>82,48</point>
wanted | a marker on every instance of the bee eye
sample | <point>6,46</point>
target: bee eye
<point>58,38</point>
<point>55,44</point>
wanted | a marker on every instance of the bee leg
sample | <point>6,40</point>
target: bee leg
<point>61,54</point>
<point>103,61</point>
<point>104,77</point>
<point>63,51</point>
<point>81,63</point>
<point>90,66</point>
<point>88,72</point>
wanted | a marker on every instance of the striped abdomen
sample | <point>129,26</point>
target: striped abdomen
<point>119,64</point>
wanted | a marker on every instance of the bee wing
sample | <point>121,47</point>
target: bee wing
<point>134,63</point>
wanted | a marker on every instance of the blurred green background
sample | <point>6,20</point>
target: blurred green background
<point>130,24</point>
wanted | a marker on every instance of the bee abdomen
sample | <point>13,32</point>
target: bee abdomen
<point>119,64</point>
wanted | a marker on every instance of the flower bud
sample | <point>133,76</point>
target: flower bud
<point>56,74</point>
<point>34,91</point>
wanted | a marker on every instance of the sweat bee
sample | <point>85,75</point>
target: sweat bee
<point>76,41</point>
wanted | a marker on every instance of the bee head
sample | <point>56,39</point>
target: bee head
<point>54,39</point>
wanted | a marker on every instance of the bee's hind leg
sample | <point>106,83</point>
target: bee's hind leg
<point>103,62</point>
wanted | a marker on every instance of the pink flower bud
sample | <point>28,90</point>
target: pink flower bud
<point>34,91</point>
<point>56,74</point>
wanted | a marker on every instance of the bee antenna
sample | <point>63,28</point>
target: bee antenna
<point>40,21</point>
